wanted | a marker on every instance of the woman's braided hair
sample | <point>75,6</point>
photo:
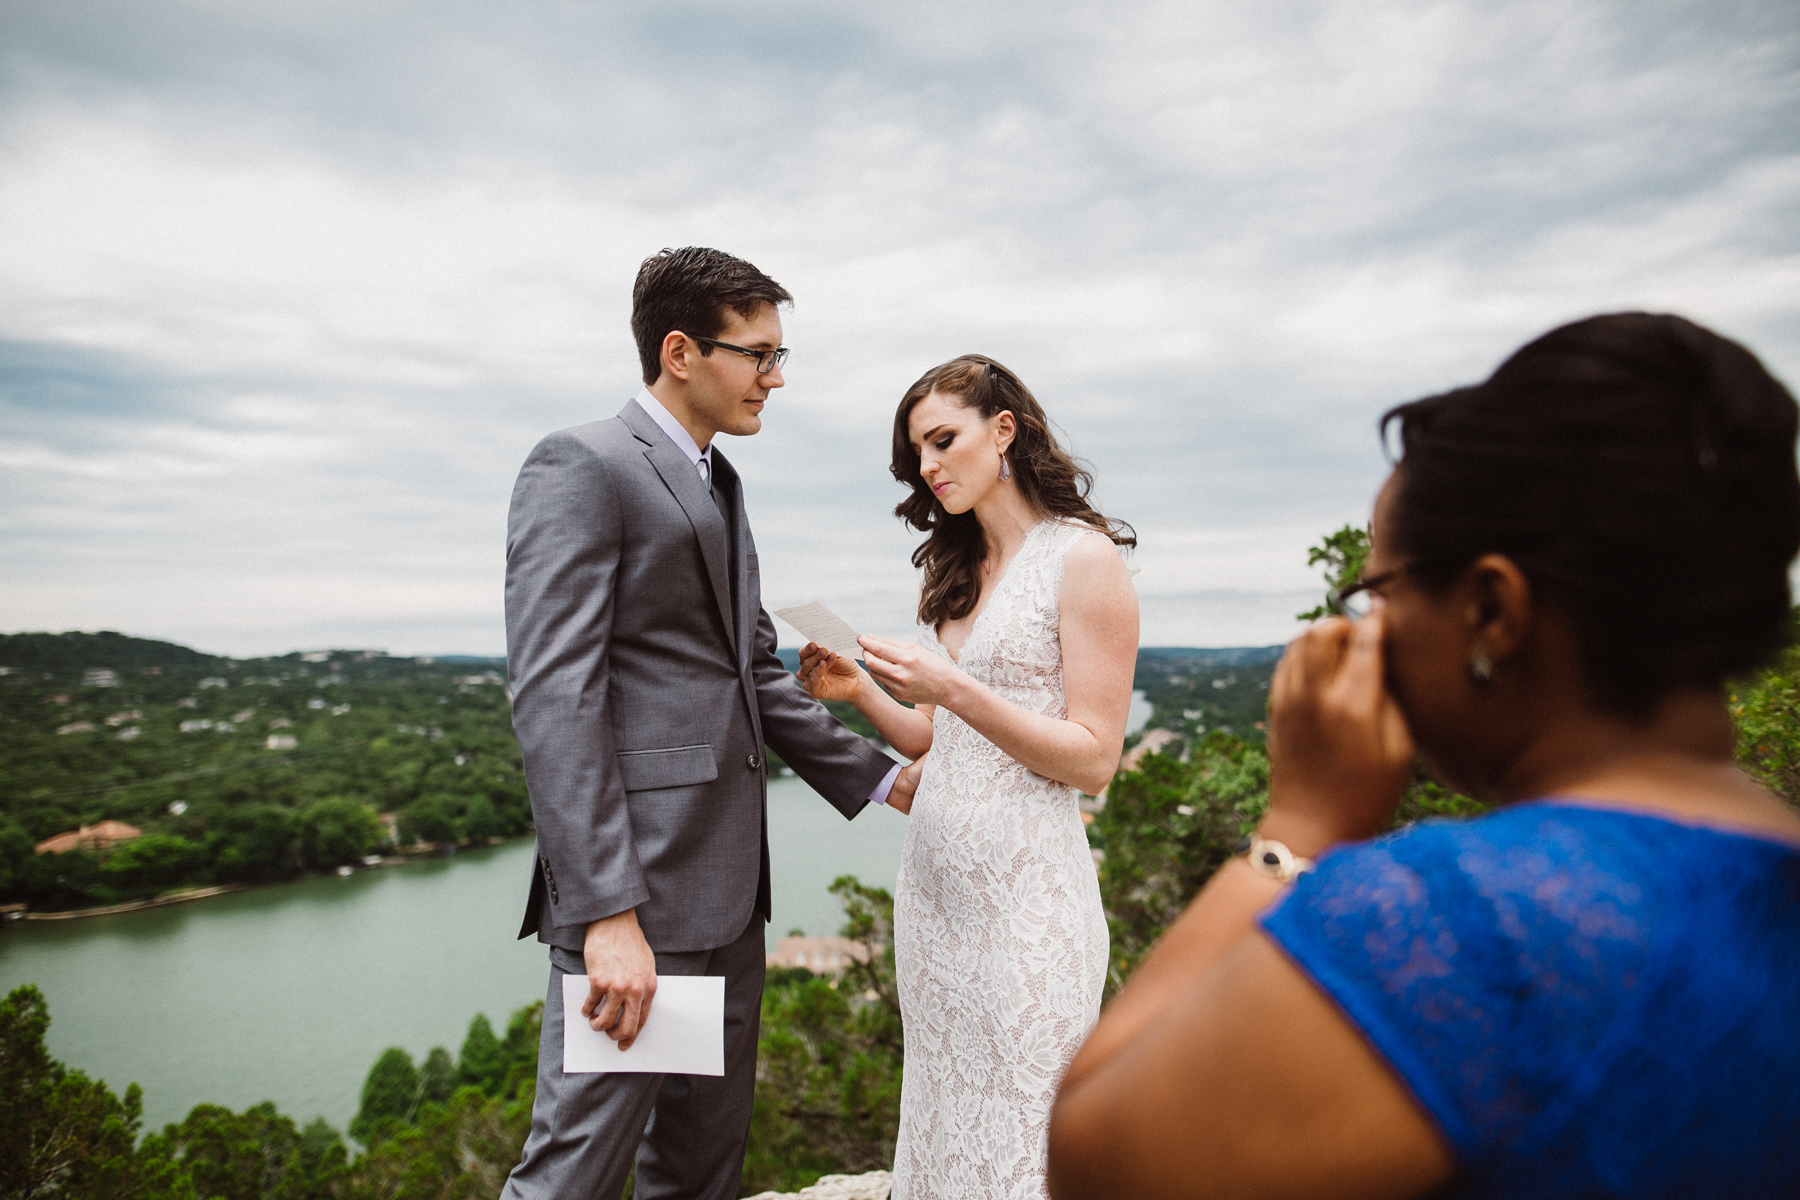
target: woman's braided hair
<point>1640,470</point>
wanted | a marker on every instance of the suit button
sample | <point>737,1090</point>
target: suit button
<point>755,761</point>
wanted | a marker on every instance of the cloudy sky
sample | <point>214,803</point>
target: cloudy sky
<point>287,291</point>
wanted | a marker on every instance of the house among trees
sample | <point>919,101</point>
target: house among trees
<point>820,955</point>
<point>93,838</point>
<point>99,677</point>
<point>1153,743</point>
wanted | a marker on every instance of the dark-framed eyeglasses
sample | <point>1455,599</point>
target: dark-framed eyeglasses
<point>766,360</point>
<point>1358,600</point>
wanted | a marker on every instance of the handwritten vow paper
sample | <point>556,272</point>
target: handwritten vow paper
<point>823,626</point>
<point>685,1034</point>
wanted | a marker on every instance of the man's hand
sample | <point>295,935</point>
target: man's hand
<point>906,785</point>
<point>829,676</point>
<point>621,974</point>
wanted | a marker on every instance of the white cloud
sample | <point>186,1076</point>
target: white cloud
<point>287,294</point>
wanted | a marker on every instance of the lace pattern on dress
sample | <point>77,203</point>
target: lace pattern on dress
<point>1588,1001</point>
<point>999,937</point>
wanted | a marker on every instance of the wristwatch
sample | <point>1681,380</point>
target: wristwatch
<point>1272,859</point>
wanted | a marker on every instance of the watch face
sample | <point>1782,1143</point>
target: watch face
<point>1275,861</point>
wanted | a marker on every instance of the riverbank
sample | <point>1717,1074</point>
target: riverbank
<point>424,852</point>
<point>108,910</point>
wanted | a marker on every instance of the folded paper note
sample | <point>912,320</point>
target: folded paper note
<point>823,626</point>
<point>685,1034</point>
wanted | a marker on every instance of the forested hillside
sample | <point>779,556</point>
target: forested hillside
<point>238,771</point>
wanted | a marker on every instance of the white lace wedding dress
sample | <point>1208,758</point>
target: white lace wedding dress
<point>999,938</point>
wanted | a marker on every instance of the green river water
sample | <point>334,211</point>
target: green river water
<point>289,993</point>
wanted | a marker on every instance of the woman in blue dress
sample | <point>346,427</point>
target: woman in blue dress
<point>1592,991</point>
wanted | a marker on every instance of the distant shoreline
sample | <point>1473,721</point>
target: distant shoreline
<point>205,893</point>
<point>134,905</point>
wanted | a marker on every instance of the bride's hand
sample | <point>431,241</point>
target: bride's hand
<point>828,676</point>
<point>910,672</point>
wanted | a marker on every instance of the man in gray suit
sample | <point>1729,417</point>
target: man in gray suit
<point>645,687</point>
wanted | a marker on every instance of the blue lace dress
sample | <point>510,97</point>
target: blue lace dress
<point>1589,1002</point>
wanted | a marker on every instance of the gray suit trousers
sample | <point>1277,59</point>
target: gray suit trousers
<point>687,1131</point>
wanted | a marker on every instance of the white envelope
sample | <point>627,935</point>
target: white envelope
<point>685,1034</point>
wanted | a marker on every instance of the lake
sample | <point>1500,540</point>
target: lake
<point>289,993</point>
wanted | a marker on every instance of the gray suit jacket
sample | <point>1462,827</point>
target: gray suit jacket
<point>643,695</point>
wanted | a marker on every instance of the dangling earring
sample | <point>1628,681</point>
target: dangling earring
<point>1481,668</point>
<point>1005,470</point>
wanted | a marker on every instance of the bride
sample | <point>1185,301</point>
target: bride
<point>1029,631</point>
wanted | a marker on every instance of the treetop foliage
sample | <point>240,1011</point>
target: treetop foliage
<point>1342,554</point>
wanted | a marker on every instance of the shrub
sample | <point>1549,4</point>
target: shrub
<point>1767,710</point>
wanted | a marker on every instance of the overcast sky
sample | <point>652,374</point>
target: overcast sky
<point>287,291</point>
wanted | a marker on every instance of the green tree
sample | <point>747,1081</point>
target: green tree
<point>430,818</point>
<point>335,831</point>
<point>15,851</point>
<point>150,864</point>
<point>480,821</point>
<point>1343,554</point>
<point>483,1062</point>
<point>461,1150</point>
<point>390,1095</point>
<point>254,843</point>
<point>322,1158</point>
<point>524,1033</point>
<point>437,1078</point>
<point>65,1135</point>
<point>258,1154</point>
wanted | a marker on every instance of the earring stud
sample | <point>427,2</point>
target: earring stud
<point>1481,668</point>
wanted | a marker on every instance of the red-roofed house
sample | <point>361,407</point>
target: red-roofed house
<point>102,836</point>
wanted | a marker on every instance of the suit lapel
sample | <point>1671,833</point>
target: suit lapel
<point>682,479</point>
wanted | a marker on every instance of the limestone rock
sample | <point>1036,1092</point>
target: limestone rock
<point>875,1185</point>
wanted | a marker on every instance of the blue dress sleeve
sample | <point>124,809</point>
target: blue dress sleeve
<point>1587,1003</point>
<point>1481,967</point>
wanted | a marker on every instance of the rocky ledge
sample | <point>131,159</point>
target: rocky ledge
<point>875,1185</point>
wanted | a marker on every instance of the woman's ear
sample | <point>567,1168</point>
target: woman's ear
<point>1006,428</point>
<point>1499,606</point>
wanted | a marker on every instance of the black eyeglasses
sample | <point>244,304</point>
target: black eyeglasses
<point>766,360</point>
<point>1358,600</point>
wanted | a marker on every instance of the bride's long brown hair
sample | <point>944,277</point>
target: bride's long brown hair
<point>1049,478</point>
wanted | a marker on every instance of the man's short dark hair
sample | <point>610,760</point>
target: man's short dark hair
<point>689,289</point>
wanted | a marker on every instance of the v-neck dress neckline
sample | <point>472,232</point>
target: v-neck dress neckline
<point>956,656</point>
